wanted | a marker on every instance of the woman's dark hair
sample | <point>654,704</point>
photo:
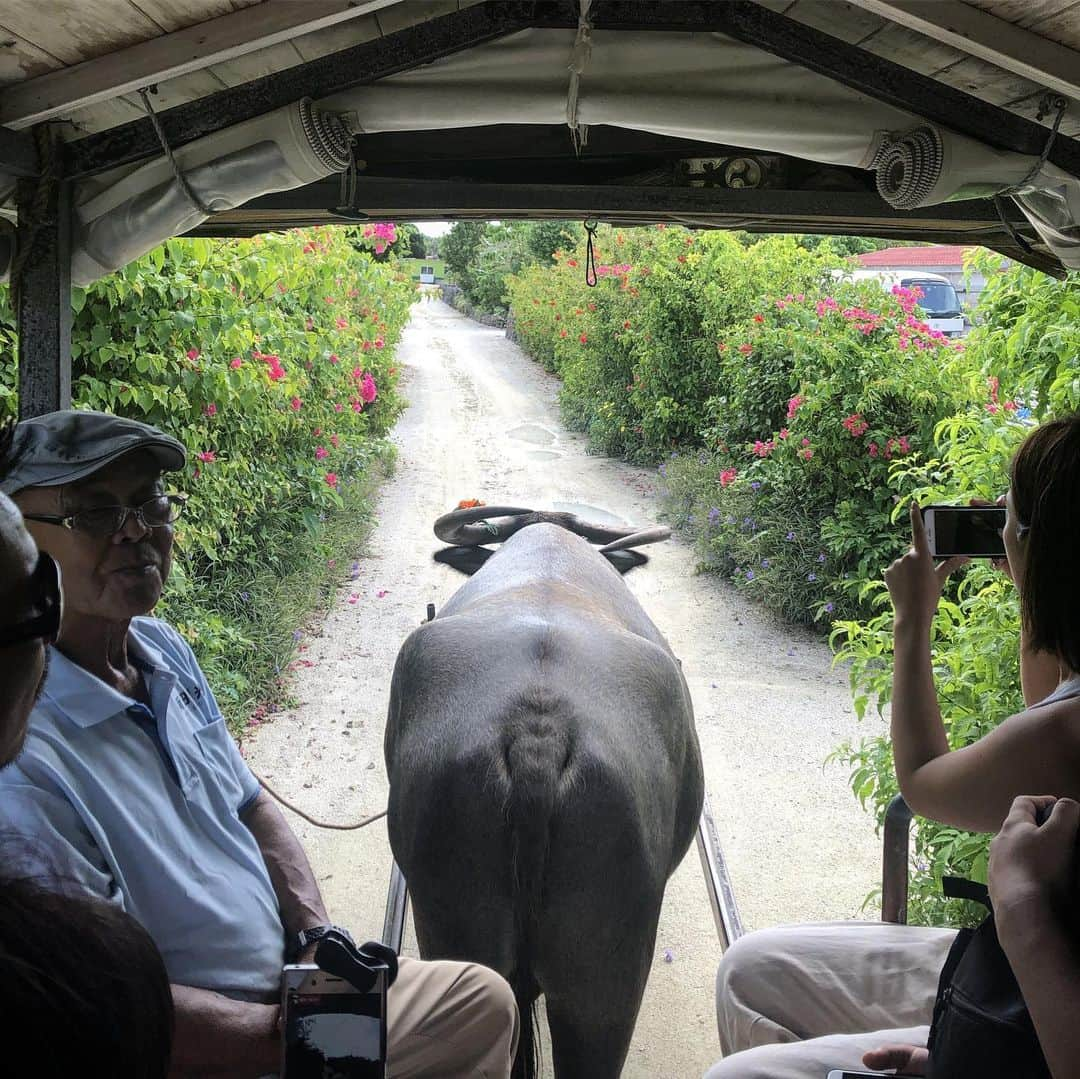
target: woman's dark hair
<point>83,989</point>
<point>1045,485</point>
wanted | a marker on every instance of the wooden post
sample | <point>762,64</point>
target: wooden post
<point>43,295</point>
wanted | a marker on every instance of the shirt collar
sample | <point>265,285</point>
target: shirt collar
<point>83,697</point>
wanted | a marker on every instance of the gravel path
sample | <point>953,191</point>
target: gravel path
<point>483,423</point>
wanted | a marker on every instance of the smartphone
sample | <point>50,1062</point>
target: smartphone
<point>331,1030</point>
<point>974,531</point>
<point>868,1075</point>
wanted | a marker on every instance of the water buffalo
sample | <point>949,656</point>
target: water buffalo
<point>545,781</point>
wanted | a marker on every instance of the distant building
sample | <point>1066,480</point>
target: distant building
<point>944,259</point>
<point>428,271</point>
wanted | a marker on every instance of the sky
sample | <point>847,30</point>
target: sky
<point>433,228</point>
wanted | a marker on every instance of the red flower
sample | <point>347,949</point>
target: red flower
<point>341,323</point>
<point>626,325</point>
<point>334,441</point>
<point>872,449</point>
<point>192,354</point>
<point>210,410</point>
<point>331,479</point>
<point>207,457</point>
<point>571,262</point>
<point>321,452</point>
<point>759,318</point>
<point>333,357</point>
<point>236,362</point>
<point>296,404</point>
<point>746,349</point>
<point>584,338</point>
<point>727,477</point>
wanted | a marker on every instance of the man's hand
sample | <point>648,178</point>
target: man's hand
<point>1032,874</point>
<point>906,1059</point>
<point>914,581</point>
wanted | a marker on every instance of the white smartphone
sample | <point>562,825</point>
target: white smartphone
<point>331,1030</point>
<point>867,1075</point>
<point>974,531</point>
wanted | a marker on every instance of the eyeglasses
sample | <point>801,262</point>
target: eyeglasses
<point>154,513</point>
<point>48,606</point>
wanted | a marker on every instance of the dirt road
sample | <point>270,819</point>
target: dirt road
<point>483,423</point>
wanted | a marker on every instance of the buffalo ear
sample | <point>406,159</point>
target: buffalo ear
<point>625,561</point>
<point>465,560</point>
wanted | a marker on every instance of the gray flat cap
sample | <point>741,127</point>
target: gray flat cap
<point>62,447</point>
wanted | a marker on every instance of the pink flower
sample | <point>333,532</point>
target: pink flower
<point>727,477</point>
<point>993,384</point>
<point>309,324</point>
<point>328,299</point>
<point>236,363</point>
<point>321,452</point>
<point>793,406</point>
<point>210,410</point>
<point>192,354</point>
<point>338,406</point>
<point>368,390</point>
<point>382,592</point>
<point>316,432</point>
<point>379,342</point>
<point>872,449</point>
<point>806,454</point>
<point>334,441</point>
<point>1010,406</point>
<point>992,408</point>
<point>207,457</point>
<point>806,442</point>
<point>763,449</point>
<point>357,404</point>
<point>331,479</point>
<point>341,323</point>
<point>333,358</point>
<point>855,424</point>
<point>354,597</point>
<point>784,432</point>
<point>296,404</point>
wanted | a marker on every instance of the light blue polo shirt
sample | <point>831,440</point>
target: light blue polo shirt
<point>141,806</point>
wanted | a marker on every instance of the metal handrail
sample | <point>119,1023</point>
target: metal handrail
<point>894,862</point>
<point>729,925</point>
<point>397,906</point>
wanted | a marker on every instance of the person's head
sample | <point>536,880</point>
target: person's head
<point>1042,522</point>
<point>84,990</point>
<point>91,488</point>
<point>29,620</point>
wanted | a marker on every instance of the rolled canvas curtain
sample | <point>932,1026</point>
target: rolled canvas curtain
<point>704,86</point>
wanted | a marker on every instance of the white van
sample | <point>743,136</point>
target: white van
<point>939,301</point>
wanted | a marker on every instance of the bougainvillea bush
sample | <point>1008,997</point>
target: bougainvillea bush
<point>1026,350</point>
<point>272,360</point>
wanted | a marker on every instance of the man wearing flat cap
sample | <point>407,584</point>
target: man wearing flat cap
<point>130,785</point>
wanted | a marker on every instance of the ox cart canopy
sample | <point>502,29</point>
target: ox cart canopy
<point>124,122</point>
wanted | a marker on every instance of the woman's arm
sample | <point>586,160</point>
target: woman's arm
<point>969,788</point>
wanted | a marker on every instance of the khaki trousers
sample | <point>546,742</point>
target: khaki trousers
<point>450,1021</point>
<point>796,1001</point>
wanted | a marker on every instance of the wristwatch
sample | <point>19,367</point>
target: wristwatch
<point>315,933</point>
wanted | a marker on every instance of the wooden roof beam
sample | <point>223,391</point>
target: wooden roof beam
<point>987,37</point>
<point>172,55</point>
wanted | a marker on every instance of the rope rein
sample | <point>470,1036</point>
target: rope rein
<point>363,823</point>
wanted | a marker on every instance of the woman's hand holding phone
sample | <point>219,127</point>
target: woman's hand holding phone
<point>913,580</point>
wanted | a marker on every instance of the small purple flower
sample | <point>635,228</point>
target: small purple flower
<point>821,557</point>
<point>714,515</point>
<point>790,537</point>
<point>749,574</point>
<point>811,576</point>
<point>828,608</point>
<point>764,563</point>
<point>669,956</point>
<point>791,651</point>
<point>245,596</point>
<point>662,470</point>
<point>296,635</point>
<point>755,485</point>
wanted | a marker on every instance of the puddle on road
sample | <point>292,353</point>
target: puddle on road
<point>592,514</point>
<point>542,455</point>
<point>532,432</point>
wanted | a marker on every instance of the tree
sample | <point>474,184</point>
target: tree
<point>459,248</point>
<point>544,238</point>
